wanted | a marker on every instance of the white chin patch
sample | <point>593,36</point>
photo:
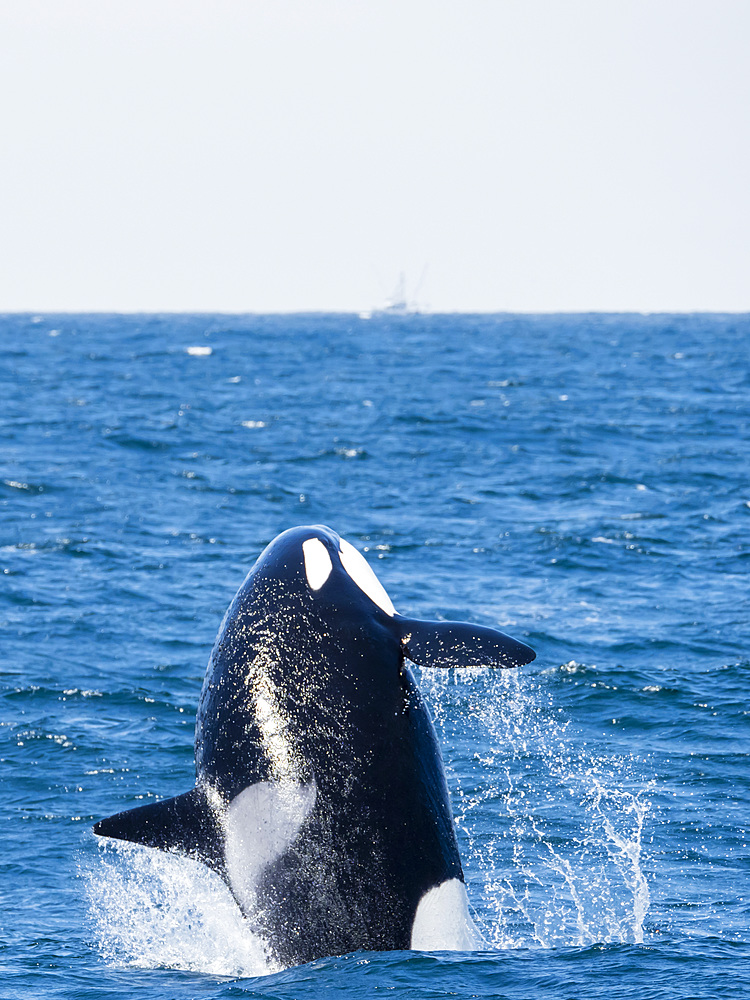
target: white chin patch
<point>442,921</point>
<point>318,563</point>
<point>359,570</point>
<point>259,825</point>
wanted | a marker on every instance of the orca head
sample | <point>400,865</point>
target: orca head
<point>324,629</point>
<point>326,571</point>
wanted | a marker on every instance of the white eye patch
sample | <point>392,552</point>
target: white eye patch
<point>318,563</point>
<point>360,571</point>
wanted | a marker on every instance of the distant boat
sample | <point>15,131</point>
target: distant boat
<point>397,303</point>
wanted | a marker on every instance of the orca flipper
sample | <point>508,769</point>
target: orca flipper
<point>458,644</point>
<point>188,824</point>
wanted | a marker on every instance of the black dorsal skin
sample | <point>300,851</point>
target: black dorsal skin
<point>308,688</point>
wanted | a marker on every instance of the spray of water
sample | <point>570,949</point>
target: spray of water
<point>151,909</point>
<point>551,829</point>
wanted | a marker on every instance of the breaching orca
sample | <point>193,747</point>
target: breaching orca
<point>320,796</point>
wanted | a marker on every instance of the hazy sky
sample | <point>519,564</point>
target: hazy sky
<point>275,155</point>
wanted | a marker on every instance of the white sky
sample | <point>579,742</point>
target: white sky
<point>276,155</point>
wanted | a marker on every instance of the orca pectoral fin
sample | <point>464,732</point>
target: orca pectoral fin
<point>458,644</point>
<point>188,824</point>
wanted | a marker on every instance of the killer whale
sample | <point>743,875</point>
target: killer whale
<point>320,796</point>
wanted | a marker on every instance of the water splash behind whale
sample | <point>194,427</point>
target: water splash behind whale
<point>551,830</point>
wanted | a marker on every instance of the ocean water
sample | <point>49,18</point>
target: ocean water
<point>582,482</point>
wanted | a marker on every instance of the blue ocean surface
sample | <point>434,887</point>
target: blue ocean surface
<point>579,481</point>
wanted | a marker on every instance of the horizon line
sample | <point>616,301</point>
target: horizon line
<point>368,314</point>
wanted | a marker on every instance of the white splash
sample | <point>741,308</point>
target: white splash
<point>551,830</point>
<point>151,909</point>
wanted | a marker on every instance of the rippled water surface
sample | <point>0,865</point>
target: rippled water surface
<point>582,482</point>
